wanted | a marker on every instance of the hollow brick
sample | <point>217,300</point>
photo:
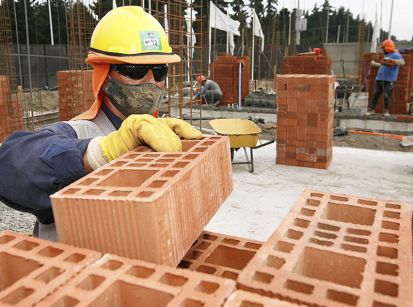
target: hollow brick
<point>247,299</point>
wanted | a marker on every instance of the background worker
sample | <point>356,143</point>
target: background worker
<point>386,76</point>
<point>129,52</point>
<point>210,90</point>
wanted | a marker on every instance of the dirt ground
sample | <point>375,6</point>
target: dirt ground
<point>349,140</point>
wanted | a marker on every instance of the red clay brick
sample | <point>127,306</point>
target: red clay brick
<point>220,255</point>
<point>31,268</point>
<point>335,249</point>
<point>247,299</point>
<point>147,205</point>
<point>117,281</point>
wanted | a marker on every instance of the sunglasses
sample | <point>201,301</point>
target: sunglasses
<point>136,72</point>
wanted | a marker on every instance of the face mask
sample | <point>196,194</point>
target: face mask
<point>130,99</point>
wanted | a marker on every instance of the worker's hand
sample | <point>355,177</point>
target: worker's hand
<point>181,128</point>
<point>375,63</point>
<point>388,62</point>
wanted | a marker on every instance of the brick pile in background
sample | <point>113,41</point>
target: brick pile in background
<point>159,200</point>
<point>224,71</point>
<point>307,64</point>
<point>219,254</point>
<point>75,92</point>
<point>31,268</point>
<point>402,89</point>
<point>11,109</point>
<point>305,120</point>
<point>336,249</point>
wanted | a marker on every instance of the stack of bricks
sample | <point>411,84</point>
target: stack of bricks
<point>31,269</point>
<point>305,120</point>
<point>150,205</point>
<point>307,64</point>
<point>403,86</point>
<point>334,249</point>
<point>75,92</point>
<point>225,71</point>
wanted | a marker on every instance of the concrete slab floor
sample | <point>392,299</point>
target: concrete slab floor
<point>261,200</point>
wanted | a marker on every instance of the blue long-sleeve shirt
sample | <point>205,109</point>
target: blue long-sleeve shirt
<point>389,73</point>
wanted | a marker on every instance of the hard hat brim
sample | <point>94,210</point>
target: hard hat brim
<point>150,58</point>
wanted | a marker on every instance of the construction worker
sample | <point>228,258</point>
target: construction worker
<point>129,53</point>
<point>386,76</point>
<point>210,90</point>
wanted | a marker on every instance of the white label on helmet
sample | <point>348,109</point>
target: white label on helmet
<point>150,41</point>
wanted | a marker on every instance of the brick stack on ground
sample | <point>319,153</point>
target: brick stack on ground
<point>307,64</point>
<point>31,268</point>
<point>305,120</point>
<point>402,89</point>
<point>335,249</point>
<point>147,205</point>
<point>11,109</point>
<point>225,71</point>
<point>75,89</point>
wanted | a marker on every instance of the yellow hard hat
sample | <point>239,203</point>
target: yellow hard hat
<point>128,34</point>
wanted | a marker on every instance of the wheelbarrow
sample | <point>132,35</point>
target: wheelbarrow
<point>242,133</point>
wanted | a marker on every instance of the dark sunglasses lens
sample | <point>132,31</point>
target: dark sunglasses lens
<point>160,72</point>
<point>137,72</point>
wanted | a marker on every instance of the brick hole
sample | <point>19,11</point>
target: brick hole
<point>353,248</point>
<point>274,262</point>
<point>191,157</point>
<point>6,239</point>
<point>230,257</point>
<point>206,269</point>
<point>230,241</point>
<point>339,198</point>
<point>202,245</point>
<point>390,225</point>
<point>356,240</point>
<point>330,266</point>
<point>252,245</point>
<point>293,234</point>
<point>88,181</point>
<point>324,226</point>
<point>49,274</point>
<point>121,293</point>
<point>70,191</point>
<point>17,295</point>
<point>133,156</point>
<point>91,282</point>
<point>172,155</point>
<point>208,236</point>
<point>151,155</point>
<point>318,195</point>
<point>380,304</point>
<point>128,178</point>
<point>50,252</point>
<point>187,145</point>
<point>104,172</point>
<point>326,235</point>
<point>26,245</point>
<point>283,247</point>
<point>140,271</point>
<point>184,264</point>
<point>307,212</point>
<point>312,202</point>
<point>392,206</point>
<point>173,280</point>
<point>191,303</point>
<point>200,149</point>
<point>145,194</point>
<point>359,232</point>
<point>207,287</point>
<point>391,214</point>
<point>367,202</point>
<point>118,163</point>
<point>93,192</point>
<point>349,214</point>
<point>388,237</point>
<point>263,277</point>
<point>143,161</point>
<point>112,265</point>
<point>301,223</point>
<point>194,255</point>
<point>180,164</point>
<point>75,258</point>
<point>321,242</point>
<point>157,184</point>
<point>120,193</point>
<point>342,297</point>
<point>161,165</point>
<point>388,252</point>
<point>208,143</point>
<point>66,301</point>
<point>230,275</point>
<point>169,173</point>
<point>387,268</point>
<point>13,268</point>
<point>299,286</point>
<point>386,288</point>
<point>134,164</point>
<point>166,160</point>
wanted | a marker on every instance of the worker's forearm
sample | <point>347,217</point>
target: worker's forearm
<point>400,62</point>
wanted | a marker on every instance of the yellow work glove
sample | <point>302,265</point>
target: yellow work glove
<point>182,128</point>
<point>137,130</point>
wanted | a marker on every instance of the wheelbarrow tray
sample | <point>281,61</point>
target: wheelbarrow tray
<point>241,132</point>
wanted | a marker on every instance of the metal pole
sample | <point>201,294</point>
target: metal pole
<point>348,20</point>
<point>391,18</point>
<point>18,45</point>
<point>28,63</point>
<point>252,45</point>
<point>297,24</point>
<point>338,34</point>
<point>51,23</point>
<point>328,20</point>
<point>289,29</point>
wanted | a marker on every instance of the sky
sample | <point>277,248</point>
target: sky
<point>402,25</point>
